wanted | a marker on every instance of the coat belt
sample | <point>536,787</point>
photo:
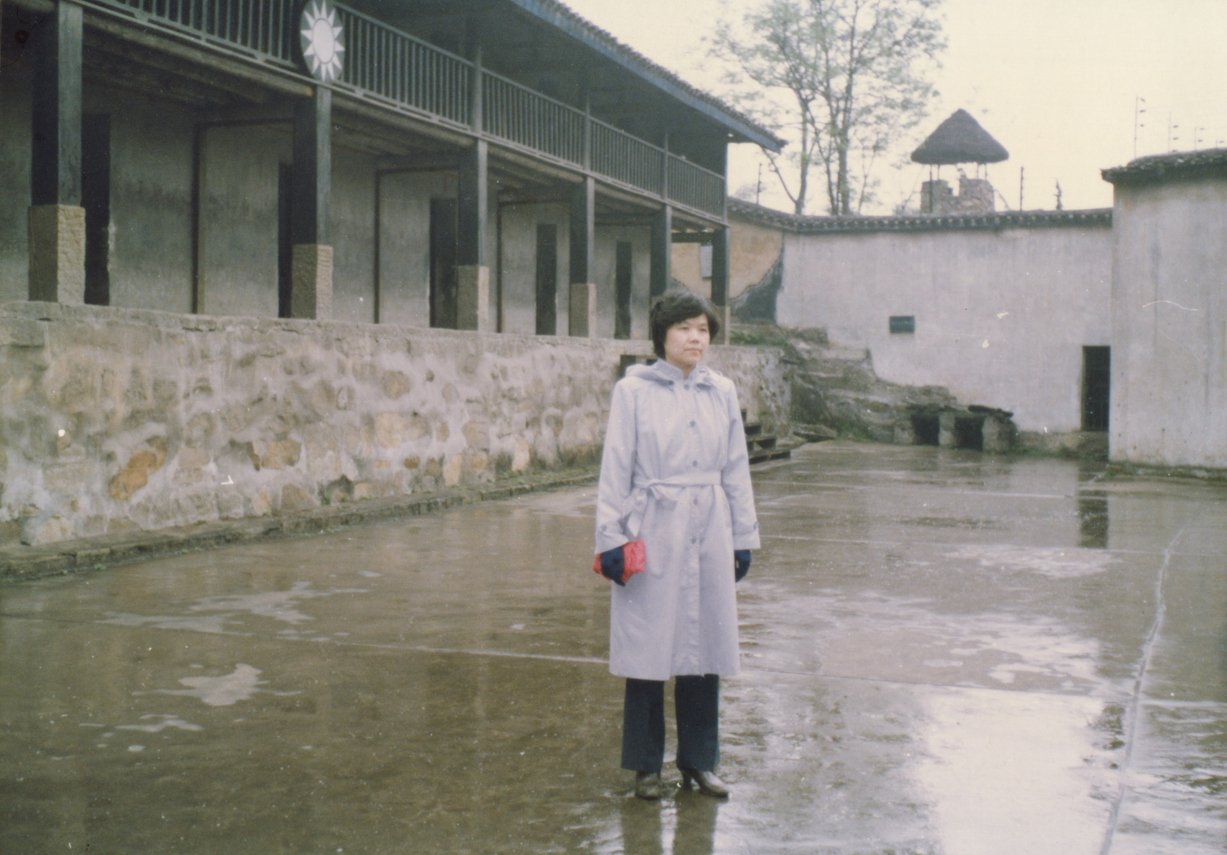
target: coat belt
<point>661,489</point>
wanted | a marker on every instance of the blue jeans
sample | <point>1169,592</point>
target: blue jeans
<point>696,701</point>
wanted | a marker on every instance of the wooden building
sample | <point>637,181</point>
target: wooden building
<point>498,165</point>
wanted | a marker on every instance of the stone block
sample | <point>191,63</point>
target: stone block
<point>311,281</point>
<point>523,456</point>
<point>295,497</point>
<point>453,469</point>
<point>477,462</point>
<point>57,254</point>
<point>281,454</point>
<point>473,297</point>
<point>581,310</point>
<point>69,478</point>
<point>390,429</point>
<point>43,529</point>
<point>997,435</point>
<point>946,437</point>
<point>477,434</point>
<point>199,430</point>
<point>135,473</point>
<point>395,384</point>
<point>20,333</point>
<point>368,490</point>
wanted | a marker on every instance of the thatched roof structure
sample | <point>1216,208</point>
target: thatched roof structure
<point>959,139</point>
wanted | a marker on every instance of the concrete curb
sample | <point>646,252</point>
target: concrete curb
<point>19,562</point>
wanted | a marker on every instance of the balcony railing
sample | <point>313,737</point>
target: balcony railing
<point>519,115</point>
<point>382,63</point>
<point>396,70</point>
<point>265,29</point>
<point>627,159</point>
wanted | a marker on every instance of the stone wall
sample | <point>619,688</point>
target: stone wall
<point>117,420</point>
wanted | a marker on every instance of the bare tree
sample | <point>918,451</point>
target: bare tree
<point>840,79</point>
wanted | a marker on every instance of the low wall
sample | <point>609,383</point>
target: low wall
<point>118,420</point>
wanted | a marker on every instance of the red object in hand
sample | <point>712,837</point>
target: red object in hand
<point>634,560</point>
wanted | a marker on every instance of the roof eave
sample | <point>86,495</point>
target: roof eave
<point>1175,166</point>
<point>739,128</point>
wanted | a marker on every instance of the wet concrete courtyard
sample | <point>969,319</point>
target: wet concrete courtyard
<point>942,653</point>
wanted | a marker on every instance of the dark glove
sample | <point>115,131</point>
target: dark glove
<point>741,564</point>
<point>612,565</point>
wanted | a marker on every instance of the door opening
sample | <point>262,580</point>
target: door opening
<point>1096,387</point>
<point>285,250</point>
<point>96,199</point>
<point>623,278</point>
<point>444,251</point>
<point>547,279</point>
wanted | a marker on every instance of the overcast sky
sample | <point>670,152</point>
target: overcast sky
<point>1054,81</point>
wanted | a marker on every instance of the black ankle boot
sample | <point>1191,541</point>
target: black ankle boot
<point>708,783</point>
<point>647,785</point>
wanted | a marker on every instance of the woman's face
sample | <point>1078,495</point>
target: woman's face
<point>686,342</point>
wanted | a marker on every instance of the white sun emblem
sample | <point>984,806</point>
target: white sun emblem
<point>321,40</point>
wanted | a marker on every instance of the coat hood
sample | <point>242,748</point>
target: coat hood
<point>662,372</point>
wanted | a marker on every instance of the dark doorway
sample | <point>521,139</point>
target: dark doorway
<point>623,278</point>
<point>96,199</point>
<point>547,279</point>
<point>444,236</point>
<point>285,249</point>
<point>444,233</point>
<point>969,432</point>
<point>1096,387</point>
<point>926,428</point>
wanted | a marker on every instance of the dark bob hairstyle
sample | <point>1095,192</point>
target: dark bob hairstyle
<point>676,306</point>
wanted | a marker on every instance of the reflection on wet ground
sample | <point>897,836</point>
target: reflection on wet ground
<point>944,653</point>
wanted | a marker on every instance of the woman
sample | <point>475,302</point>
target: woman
<point>675,473</point>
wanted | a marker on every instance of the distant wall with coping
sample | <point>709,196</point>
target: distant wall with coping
<point>1002,313</point>
<point>115,420</point>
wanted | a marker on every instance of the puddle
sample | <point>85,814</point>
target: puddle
<point>219,614</point>
<point>223,691</point>
<point>1051,562</point>
<point>155,723</point>
<point>1010,773</point>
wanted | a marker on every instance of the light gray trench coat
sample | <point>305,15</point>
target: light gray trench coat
<point>675,472</point>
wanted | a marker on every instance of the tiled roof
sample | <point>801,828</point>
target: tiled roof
<point>1167,167</point>
<point>921,222</point>
<point>562,17</point>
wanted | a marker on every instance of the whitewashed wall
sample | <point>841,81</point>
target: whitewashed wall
<point>1001,315</point>
<point>1169,370</point>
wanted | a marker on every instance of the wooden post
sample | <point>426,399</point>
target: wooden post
<point>582,297</point>
<point>472,268</point>
<point>56,218</point>
<point>661,251</point>
<point>311,259</point>
<point>720,279</point>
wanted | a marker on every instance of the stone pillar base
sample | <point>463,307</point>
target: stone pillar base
<point>997,434</point>
<point>581,321</point>
<point>946,437</point>
<point>57,254</point>
<point>904,433</point>
<point>473,297</point>
<point>311,281</point>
